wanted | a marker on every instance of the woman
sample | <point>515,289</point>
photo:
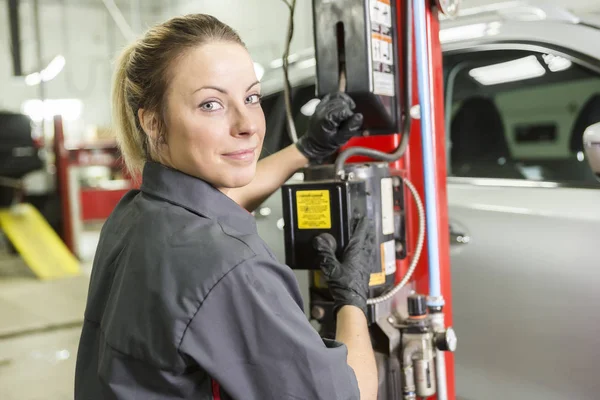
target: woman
<point>185,300</point>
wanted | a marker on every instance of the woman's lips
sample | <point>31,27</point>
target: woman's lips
<point>241,155</point>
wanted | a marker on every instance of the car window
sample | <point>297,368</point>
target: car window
<point>519,115</point>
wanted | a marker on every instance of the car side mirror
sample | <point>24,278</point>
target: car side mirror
<point>591,146</point>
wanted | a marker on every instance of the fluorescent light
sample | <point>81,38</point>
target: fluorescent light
<point>311,62</point>
<point>462,33</point>
<point>556,63</point>
<point>278,63</point>
<point>53,69</point>
<point>466,32</point>
<point>33,79</point>
<point>69,109</point>
<point>511,71</point>
<point>47,74</point>
<point>309,108</point>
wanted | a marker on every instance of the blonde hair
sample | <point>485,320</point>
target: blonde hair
<point>142,77</point>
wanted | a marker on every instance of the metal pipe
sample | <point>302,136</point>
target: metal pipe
<point>409,388</point>
<point>38,51</point>
<point>440,372</point>
<point>436,319</point>
<point>15,36</point>
<point>422,50</point>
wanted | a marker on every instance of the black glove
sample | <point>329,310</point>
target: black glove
<point>348,280</point>
<point>330,127</point>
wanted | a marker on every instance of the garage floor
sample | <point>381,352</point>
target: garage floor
<point>40,323</point>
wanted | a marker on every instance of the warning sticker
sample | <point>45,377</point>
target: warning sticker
<point>387,206</point>
<point>381,12</point>
<point>388,263</point>
<point>314,209</point>
<point>383,84</point>
<point>377,279</point>
<point>388,257</point>
<point>382,48</point>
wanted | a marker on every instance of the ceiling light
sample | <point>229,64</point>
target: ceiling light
<point>466,32</point>
<point>69,109</point>
<point>278,63</point>
<point>511,71</point>
<point>47,74</point>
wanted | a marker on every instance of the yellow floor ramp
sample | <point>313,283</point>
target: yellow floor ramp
<point>39,245</point>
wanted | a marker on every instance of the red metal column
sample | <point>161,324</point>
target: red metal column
<point>411,166</point>
<point>61,162</point>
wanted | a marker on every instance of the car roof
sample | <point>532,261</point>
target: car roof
<point>532,24</point>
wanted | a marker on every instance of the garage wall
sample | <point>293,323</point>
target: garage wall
<point>262,24</point>
<point>85,35</point>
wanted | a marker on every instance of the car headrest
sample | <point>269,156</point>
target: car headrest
<point>477,132</point>
<point>589,115</point>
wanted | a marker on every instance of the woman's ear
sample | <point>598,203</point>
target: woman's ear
<point>149,123</point>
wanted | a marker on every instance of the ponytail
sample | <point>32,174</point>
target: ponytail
<point>131,139</point>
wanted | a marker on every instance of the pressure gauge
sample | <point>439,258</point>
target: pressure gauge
<point>449,7</point>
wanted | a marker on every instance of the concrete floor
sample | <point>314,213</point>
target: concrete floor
<point>40,324</point>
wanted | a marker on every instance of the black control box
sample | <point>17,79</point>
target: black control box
<point>357,40</point>
<point>323,204</point>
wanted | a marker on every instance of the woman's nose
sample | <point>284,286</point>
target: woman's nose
<point>245,124</point>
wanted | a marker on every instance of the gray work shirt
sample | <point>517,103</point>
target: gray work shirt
<point>187,302</point>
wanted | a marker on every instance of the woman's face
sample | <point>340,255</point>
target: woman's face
<point>214,122</point>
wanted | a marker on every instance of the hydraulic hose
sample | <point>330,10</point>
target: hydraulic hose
<point>408,99</point>
<point>287,87</point>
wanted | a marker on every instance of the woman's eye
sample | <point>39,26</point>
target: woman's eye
<point>255,98</point>
<point>211,106</point>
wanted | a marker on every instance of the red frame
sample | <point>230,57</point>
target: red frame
<point>411,167</point>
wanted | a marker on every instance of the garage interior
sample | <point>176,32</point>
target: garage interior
<point>74,177</point>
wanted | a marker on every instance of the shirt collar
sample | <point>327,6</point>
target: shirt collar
<point>195,195</point>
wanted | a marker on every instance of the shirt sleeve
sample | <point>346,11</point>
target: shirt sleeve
<point>251,336</point>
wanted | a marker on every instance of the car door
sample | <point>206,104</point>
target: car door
<point>525,221</point>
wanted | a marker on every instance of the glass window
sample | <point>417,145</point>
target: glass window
<point>519,115</point>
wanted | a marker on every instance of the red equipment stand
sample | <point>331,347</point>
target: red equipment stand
<point>411,167</point>
<point>81,205</point>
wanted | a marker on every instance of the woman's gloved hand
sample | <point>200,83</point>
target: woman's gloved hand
<point>330,127</point>
<point>348,280</point>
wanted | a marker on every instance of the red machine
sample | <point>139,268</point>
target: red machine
<point>390,62</point>
<point>85,204</point>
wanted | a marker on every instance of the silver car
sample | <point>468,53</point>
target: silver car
<point>522,84</point>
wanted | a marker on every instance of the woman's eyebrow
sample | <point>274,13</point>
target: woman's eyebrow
<point>218,89</point>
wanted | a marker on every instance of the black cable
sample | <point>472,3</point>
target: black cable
<point>407,97</point>
<point>287,86</point>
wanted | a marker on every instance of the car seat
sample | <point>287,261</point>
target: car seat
<point>479,145</point>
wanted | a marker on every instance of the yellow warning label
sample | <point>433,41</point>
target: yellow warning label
<point>314,209</point>
<point>379,277</point>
